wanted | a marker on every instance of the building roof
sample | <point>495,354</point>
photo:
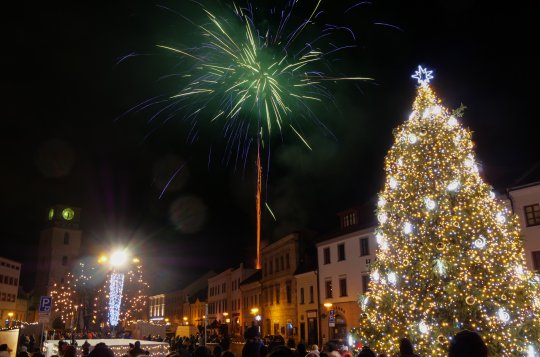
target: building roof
<point>531,177</point>
<point>252,278</point>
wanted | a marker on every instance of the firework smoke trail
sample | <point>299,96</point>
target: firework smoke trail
<point>241,74</point>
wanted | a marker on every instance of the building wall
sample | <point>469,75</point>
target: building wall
<point>219,296</point>
<point>308,307</point>
<point>59,247</point>
<point>235,314</point>
<point>279,262</point>
<point>251,299</point>
<point>156,307</point>
<point>520,197</point>
<point>10,272</point>
<point>351,269</point>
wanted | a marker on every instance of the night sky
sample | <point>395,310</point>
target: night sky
<point>64,139</point>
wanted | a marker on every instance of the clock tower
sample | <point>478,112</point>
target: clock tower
<point>59,246</point>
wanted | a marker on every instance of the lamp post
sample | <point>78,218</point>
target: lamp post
<point>227,320</point>
<point>116,285</point>
<point>10,315</point>
<point>256,317</point>
<point>331,318</point>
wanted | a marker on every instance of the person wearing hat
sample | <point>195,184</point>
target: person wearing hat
<point>5,350</point>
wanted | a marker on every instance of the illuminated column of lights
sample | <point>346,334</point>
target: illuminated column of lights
<point>115,297</point>
<point>124,302</point>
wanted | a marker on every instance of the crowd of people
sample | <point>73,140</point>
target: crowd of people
<point>463,344</point>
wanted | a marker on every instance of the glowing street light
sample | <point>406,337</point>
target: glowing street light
<point>116,285</point>
<point>118,258</point>
<point>10,315</point>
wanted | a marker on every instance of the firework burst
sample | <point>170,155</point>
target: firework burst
<point>251,79</point>
<point>253,72</point>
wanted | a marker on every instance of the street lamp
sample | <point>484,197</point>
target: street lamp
<point>10,315</point>
<point>257,317</point>
<point>185,320</point>
<point>116,285</point>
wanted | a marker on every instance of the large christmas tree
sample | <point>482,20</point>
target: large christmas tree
<point>450,253</point>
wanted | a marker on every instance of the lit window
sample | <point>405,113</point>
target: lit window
<point>365,283</point>
<point>328,288</point>
<point>532,215</point>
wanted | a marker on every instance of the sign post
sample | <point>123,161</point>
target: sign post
<point>45,306</point>
<point>332,318</point>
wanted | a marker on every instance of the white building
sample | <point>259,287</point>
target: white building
<point>308,306</point>
<point>156,307</point>
<point>225,297</point>
<point>525,202</point>
<point>10,272</point>
<point>344,262</point>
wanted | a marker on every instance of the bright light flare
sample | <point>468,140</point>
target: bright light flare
<point>118,258</point>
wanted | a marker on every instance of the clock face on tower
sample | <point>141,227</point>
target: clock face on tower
<point>67,214</point>
<point>51,214</point>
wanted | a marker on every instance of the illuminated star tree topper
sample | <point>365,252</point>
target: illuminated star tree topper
<point>423,75</point>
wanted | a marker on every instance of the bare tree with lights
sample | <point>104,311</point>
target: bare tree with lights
<point>450,253</point>
<point>72,297</point>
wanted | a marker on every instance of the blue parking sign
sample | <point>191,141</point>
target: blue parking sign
<point>332,318</point>
<point>45,304</point>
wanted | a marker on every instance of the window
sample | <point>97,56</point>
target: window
<point>326,255</point>
<point>271,296</point>
<point>66,238</point>
<point>301,296</point>
<point>328,288</point>
<point>64,260</point>
<point>365,283</point>
<point>341,252</point>
<point>349,220</point>
<point>271,268</point>
<point>287,262</point>
<point>223,287</point>
<point>536,260</point>
<point>288,291</point>
<point>364,246</point>
<point>277,264</point>
<point>343,287</point>
<point>278,293</point>
<point>532,214</point>
<point>311,294</point>
<point>281,263</point>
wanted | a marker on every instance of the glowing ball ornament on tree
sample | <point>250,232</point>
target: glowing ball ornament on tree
<point>453,256</point>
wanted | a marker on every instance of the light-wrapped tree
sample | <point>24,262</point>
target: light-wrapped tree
<point>450,253</point>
